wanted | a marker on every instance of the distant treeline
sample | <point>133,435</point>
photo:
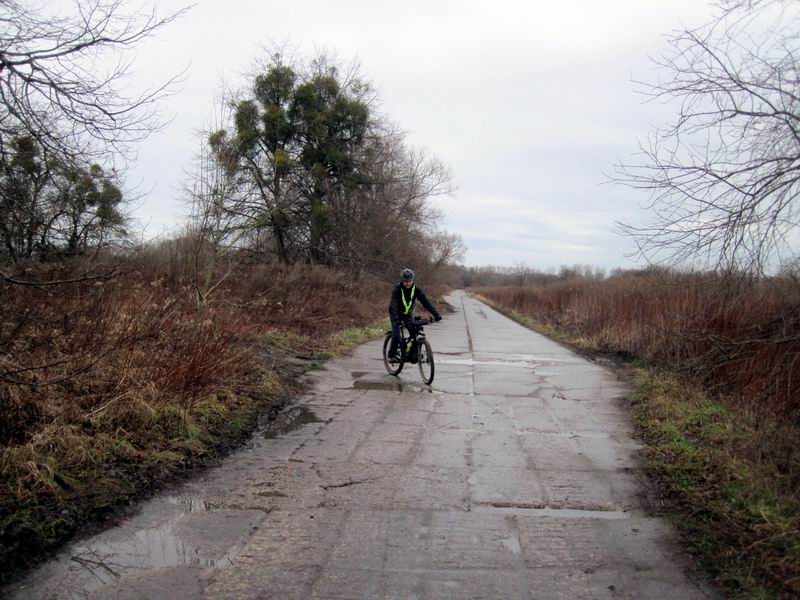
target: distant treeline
<point>522,275</point>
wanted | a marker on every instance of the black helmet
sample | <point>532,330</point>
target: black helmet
<point>407,275</point>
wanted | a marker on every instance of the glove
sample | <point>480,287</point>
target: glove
<point>437,318</point>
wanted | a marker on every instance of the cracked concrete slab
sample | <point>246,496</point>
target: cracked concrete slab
<point>515,475</point>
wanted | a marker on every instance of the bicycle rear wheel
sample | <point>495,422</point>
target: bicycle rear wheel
<point>391,368</point>
<point>425,360</point>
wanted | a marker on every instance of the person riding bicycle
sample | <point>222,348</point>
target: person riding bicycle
<point>401,309</point>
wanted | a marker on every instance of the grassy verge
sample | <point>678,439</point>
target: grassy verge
<point>76,473</point>
<point>722,479</point>
<point>83,468</point>
<point>330,346</point>
<point>725,476</point>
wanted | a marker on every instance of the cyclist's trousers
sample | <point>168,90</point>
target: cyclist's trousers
<point>407,320</point>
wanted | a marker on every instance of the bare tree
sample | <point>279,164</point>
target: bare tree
<point>446,249</point>
<point>320,177</point>
<point>390,221</point>
<point>60,86</point>
<point>724,178</point>
<point>218,198</point>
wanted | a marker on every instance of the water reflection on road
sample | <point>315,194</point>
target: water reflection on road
<point>146,549</point>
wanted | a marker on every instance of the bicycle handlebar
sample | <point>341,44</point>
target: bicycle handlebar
<point>420,321</point>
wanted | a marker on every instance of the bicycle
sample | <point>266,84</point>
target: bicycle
<point>414,348</point>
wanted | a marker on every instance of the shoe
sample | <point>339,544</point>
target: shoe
<point>396,358</point>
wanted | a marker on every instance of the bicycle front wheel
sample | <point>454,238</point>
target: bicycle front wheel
<point>391,368</point>
<point>425,360</point>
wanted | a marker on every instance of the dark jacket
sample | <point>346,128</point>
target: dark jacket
<point>397,308</point>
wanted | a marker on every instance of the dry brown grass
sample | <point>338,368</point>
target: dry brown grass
<point>109,386</point>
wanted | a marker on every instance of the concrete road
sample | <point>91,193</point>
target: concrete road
<point>513,476</point>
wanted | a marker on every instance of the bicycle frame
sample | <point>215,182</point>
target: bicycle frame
<point>414,348</point>
<point>413,339</point>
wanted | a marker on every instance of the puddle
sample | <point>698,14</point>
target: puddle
<point>393,386</point>
<point>537,359</point>
<point>385,386</point>
<point>192,504</point>
<point>524,361</point>
<point>469,362</point>
<point>289,420</point>
<point>149,548</point>
<point>92,566</point>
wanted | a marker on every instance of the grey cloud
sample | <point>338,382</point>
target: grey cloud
<point>528,102</point>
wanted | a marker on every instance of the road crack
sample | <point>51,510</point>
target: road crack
<point>345,484</point>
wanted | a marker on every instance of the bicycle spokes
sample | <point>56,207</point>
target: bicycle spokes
<point>425,359</point>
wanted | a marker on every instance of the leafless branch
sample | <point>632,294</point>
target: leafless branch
<point>724,178</point>
<point>64,79</point>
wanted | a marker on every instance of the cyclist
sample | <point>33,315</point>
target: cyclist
<point>401,309</point>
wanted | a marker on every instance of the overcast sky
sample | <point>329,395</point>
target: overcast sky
<point>528,102</point>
